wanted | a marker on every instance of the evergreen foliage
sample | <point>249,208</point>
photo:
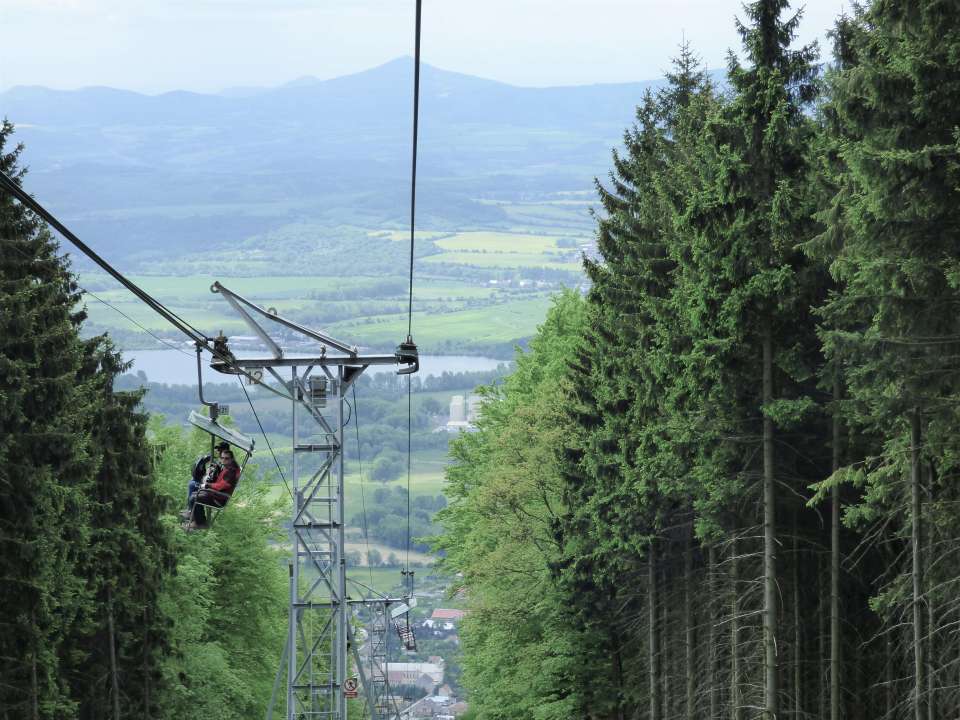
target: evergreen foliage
<point>121,637</point>
<point>891,326</point>
<point>45,461</point>
<point>107,609</point>
<point>640,519</point>
<point>770,329</point>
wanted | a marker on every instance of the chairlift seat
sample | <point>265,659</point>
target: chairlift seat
<point>216,500</point>
<point>405,631</point>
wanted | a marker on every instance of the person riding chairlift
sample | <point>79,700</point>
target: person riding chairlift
<point>220,477</point>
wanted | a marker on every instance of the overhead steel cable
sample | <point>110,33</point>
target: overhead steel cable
<point>115,309</point>
<point>409,456</point>
<point>407,573</point>
<point>267,439</point>
<point>182,325</point>
<point>199,338</point>
<point>413,169</point>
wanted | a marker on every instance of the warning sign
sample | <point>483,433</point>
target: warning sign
<point>350,686</point>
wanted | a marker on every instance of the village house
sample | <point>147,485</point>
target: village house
<point>426,676</point>
<point>443,621</point>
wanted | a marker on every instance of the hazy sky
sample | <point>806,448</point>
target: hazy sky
<point>206,45</point>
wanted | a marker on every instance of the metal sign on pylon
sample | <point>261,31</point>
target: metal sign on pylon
<point>319,633</point>
<point>350,686</point>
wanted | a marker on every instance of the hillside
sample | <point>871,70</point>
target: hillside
<point>311,179</point>
<point>128,171</point>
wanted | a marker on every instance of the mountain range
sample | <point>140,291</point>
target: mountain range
<point>131,169</point>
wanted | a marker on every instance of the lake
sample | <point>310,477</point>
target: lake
<point>180,368</point>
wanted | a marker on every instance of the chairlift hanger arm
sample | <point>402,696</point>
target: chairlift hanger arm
<point>8,184</point>
<point>406,353</point>
<point>252,324</point>
<point>325,339</point>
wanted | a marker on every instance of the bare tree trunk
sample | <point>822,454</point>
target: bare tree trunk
<point>835,640</point>
<point>654,641</point>
<point>770,633</point>
<point>689,629</point>
<point>114,676</point>
<point>890,675</point>
<point>711,631</point>
<point>736,709</point>
<point>147,679</point>
<point>618,668</point>
<point>666,658</point>
<point>822,652</point>
<point>931,608</point>
<point>931,663</point>
<point>797,676</point>
<point>34,679</point>
<point>919,686</point>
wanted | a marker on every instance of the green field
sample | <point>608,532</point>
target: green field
<point>492,324</point>
<point>474,290</point>
<point>507,260</point>
<point>499,242</point>
<point>386,581</point>
<point>423,481</point>
<point>404,235</point>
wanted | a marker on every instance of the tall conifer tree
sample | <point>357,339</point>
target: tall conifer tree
<point>621,480</point>
<point>123,637</point>
<point>753,288</point>
<point>44,461</point>
<point>894,323</point>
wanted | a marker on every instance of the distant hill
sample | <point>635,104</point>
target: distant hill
<point>130,170</point>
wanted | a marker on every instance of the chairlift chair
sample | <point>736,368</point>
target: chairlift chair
<point>236,439</point>
<point>401,621</point>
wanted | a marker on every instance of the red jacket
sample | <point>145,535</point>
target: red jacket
<point>226,480</point>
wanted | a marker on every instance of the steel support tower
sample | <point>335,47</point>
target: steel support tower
<point>320,633</point>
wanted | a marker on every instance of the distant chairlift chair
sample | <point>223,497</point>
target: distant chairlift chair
<point>212,499</point>
<point>401,621</point>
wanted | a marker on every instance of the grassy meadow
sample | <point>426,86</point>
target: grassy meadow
<point>475,290</point>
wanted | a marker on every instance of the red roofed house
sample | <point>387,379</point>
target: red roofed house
<point>442,620</point>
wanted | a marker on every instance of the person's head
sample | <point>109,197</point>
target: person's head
<point>226,457</point>
<point>221,446</point>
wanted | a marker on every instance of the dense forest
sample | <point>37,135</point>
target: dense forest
<point>723,484</point>
<point>108,609</point>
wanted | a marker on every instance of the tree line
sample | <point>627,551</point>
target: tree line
<point>722,484</point>
<point>387,518</point>
<point>379,404</point>
<point>108,610</point>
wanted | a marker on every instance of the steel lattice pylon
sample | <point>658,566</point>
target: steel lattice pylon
<point>378,639</point>
<point>319,633</point>
<point>317,656</point>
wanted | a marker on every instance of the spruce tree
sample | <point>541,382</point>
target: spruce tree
<point>122,640</point>
<point>45,467</point>
<point>623,484</point>
<point>893,324</point>
<point>753,335</point>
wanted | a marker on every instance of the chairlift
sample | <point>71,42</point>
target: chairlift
<point>213,499</point>
<point>401,621</point>
<point>207,498</point>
